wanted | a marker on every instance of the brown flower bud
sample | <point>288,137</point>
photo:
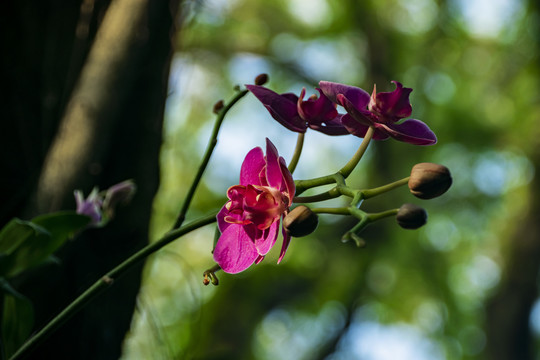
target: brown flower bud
<point>410,216</point>
<point>261,79</point>
<point>218,106</point>
<point>301,221</point>
<point>429,180</point>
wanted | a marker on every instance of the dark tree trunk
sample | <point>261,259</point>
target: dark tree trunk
<point>84,85</point>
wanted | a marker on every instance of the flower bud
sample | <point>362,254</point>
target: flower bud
<point>410,216</point>
<point>218,106</point>
<point>261,79</point>
<point>429,180</point>
<point>301,221</point>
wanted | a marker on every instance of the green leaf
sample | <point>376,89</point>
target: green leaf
<point>17,319</point>
<point>14,239</point>
<point>25,244</point>
<point>14,233</point>
<point>62,226</point>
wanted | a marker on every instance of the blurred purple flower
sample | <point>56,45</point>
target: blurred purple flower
<point>99,206</point>
<point>297,114</point>
<point>382,111</point>
<point>249,221</point>
<point>120,193</point>
<point>91,206</point>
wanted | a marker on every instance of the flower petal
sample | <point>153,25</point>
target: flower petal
<point>283,107</point>
<point>273,170</point>
<point>265,239</point>
<point>316,110</point>
<point>411,131</point>
<point>235,250</point>
<point>359,129</point>
<point>332,127</point>
<point>359,114</point>
<point>222,224</point>
<point>393,105</point>
<point>358,97</point>
<point>285,246</point>
<point>251,167</point>
<point>288,182</point>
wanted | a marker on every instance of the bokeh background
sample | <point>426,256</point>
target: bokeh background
<point>459,288</point>
<point>465,286</point>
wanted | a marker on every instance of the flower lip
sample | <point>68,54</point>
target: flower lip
<point>391,106</point>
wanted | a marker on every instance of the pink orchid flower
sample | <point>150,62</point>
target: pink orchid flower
<point>297,114</point>
<point>382,111</point>
<point>249,221</point>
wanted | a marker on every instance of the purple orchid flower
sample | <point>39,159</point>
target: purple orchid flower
<point>249,221</point>
<point>91,206</point>
<point>382,111</point>
<point>99,206</point>
<point>297,114</point>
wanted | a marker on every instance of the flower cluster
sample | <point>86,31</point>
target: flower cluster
<point>381,110</point>
<point>250,220</point>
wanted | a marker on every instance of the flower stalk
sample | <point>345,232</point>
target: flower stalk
<point>107,281</point>
<point>212,142</point>
<point>297,152</point>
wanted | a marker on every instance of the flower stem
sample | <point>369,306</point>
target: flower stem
<point>382,189</point>
<point>335,211</point>
<point>344,172</point>
<point>297,152</point>
<point>381,215</point>
<point>212,142</point>
<point>349,167</point>
<point>107,281</point>
<point>330,194</point>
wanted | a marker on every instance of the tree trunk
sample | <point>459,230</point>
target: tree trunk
<point>85,93</point>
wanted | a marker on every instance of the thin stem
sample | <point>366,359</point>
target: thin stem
<point>349,167</point>
<point>344,172</point>
<point>381,215</point>
<point>330,194</point>
<point>212,142</point>
<point>335,211</point>
<point>297,152</point>
<point>382,189</point>
<point>106,281</point>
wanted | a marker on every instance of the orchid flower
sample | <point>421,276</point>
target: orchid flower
<point>382,111</point>
<point>99,206</point>
<point>297,114</point>
<point>249,222</point>
<point>91,206</point>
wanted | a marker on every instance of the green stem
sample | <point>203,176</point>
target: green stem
<point>330,194</point>
<point>107,281</point>
<point>212,142</point>
<point>381,215</point>
<point>349,167</point>
<point>335,211</point>
<point>297,152</point>
<point>382,189</point>
<point>344,172</point>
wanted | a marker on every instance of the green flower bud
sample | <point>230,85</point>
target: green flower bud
<point>429,180</point>
<point>410,216</point>
<point>301,221</point>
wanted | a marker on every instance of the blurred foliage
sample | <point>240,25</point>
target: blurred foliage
<point>409,294</point>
